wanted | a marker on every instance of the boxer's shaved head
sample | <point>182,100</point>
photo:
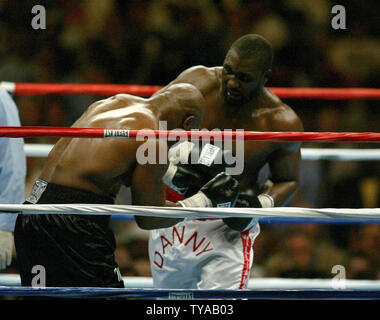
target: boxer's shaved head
<point>187,96</point>
<point>183,101</point>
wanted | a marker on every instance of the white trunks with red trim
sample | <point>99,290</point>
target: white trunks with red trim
<point>201,254</point>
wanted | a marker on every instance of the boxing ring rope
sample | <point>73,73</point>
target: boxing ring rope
<point>147,90</point>
<point>42,151</point>
<point>259,288</point>
<point>283,215</point>
<point>14,280</point>
<point>172,135</point>
<point>371,215</point>
<point>190,294</point>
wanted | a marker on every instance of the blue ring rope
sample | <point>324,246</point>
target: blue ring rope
<point>182,294</point>
<point>292,220</point>
<point>281,220</point>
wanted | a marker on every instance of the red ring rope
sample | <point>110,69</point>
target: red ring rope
<point>79,88</point>
<point>144,90</point>
<point>27,132</point>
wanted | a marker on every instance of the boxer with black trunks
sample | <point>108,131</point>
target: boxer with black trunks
<point>217,254</point>
<point>78,250</point>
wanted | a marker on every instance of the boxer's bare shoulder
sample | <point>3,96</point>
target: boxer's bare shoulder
<point>204,78</point>
<point>115,102</point>
<point>120,111</point>
<point>278,115</point>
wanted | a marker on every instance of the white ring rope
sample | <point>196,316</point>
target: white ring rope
<point>340,154</point>
<point>253,283</point>
<point>9,86</point>
<point>37,150</point>
<point>42,150</point>
<point>195,213</point>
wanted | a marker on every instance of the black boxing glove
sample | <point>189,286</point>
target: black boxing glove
<point>221,191</point>
<point>181,179</point>
<point>248,199</point>
<point>190,167</point>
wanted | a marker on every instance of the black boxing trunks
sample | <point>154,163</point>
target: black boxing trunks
<point>73,250</point>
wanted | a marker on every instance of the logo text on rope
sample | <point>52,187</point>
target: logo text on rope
<point>114,133</point>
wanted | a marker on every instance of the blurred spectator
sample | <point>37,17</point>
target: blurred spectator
<point>361,266</point>
<point>301,257</point>
<point>141,266</point>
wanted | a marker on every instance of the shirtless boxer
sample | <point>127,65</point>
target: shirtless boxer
<point>78,250</point>
<point>218,254</point>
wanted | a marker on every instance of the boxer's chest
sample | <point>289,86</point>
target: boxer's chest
<point>255,153</point>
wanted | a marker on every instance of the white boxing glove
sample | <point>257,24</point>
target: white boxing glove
<point>6,247</point>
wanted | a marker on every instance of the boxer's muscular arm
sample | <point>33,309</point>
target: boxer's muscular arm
<point>149,190</point>
<point>285,178</point>
<point>284,165</point>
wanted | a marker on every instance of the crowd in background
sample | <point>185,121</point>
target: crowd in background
<point>151,42</point>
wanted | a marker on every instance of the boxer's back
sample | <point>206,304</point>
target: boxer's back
<point>100,165</point>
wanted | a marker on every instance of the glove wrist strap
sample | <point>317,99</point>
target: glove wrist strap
<point>169,176</point>
<point>266,200</point>
<point>199,200</point>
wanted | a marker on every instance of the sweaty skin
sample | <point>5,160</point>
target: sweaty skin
<point>103,165</point>
<point>263,111</point>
